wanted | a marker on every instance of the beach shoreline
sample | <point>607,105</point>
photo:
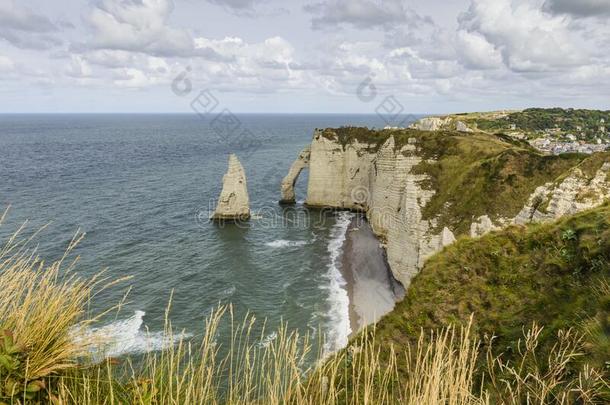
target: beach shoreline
<point>371,288</point>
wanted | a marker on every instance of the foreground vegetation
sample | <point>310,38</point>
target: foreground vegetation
<point>549,309</point>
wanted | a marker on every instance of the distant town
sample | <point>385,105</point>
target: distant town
<point>553,131</point>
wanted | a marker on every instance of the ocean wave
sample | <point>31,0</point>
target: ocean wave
<point>267,340</point>
<point>123,337</point>
<point>228,292</point>
<point>339,327</point>
<point>281,243</point>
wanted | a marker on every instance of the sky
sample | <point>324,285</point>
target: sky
<point>303,56</point>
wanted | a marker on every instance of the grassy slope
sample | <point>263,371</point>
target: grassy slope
<point>549,273</point>
<point>534,121</point>
<point>475,174</point>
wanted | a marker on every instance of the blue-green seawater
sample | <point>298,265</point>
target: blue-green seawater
<point>141,187</point>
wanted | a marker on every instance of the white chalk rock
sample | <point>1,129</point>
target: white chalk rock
<point>234,202</point>
<point>290,180</point>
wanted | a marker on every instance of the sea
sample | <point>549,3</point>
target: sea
<point>142,186</point>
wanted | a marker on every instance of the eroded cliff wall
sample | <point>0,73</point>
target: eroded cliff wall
<point>421,190</point>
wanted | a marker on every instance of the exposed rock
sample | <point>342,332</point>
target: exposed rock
<point>482,226</point>
<point>233,203</point>
<point>338,177</point>
<point>574,194</point>
<point>290,180</point>
<point>380,180</point>
<point>447,237</point>
<point>461,127</point>
<point>381,184</point>
<point>431,123</point>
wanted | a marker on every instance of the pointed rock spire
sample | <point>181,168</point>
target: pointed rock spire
<point>233,203</point>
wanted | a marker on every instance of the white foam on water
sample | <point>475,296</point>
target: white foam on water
<point>228,292</point>
<point>339,327</point>
<point>282,243</point>
<point>267,340</point>
<point>123,337</point>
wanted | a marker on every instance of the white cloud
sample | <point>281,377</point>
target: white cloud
<point>475,52</point>
<point>138,25</point>
<point>17,17</point>
<point>78,67</point>
<point>484,50</point>
<point>26,29</point>
<point>6,64</point>
<point>527,38</point>
<point>362,14</point>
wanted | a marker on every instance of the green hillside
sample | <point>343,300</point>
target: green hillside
<point>554,274</point>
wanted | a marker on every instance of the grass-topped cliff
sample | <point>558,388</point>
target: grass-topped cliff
<point>473,173</point>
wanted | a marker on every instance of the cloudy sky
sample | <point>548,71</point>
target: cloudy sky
<point>434,56</point>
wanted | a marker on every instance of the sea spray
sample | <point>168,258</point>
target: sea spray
<point>339,327</point>
<point>123,337</point>
<point>281,243</point>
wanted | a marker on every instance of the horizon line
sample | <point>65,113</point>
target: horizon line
<point>195,113</point>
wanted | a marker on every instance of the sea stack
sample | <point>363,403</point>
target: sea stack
<point>233,203</point>
<point>290,180</point>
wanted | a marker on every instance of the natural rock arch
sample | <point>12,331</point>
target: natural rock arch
<point>302,162</point>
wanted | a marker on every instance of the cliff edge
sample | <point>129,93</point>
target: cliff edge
<point>422,190</point>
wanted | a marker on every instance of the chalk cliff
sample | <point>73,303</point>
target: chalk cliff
<point>423,189</point>
<point>233,203</point>
<point>289,181</point>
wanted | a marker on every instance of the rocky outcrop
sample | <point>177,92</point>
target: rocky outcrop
<point>233,203</point>
<point>481,226</point>
<point>462,127</point>
<point>447,123</point>
<point>431,123</point>
<point>573,194</point>
<point>385,176</point>
<point>288,196</point>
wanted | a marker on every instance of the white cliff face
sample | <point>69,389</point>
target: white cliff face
<point>574,194</point>
<point>440,124</point>
<point>289,181</point>
<point>381,182</point>
<point>431,123</point>
<point>234,202</point>
<point>336,173</point>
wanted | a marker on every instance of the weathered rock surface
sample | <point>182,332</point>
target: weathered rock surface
<point>234,202</point>
<point>462,127</point>
<point>574,194</point>
<point>380,183</point>
<point>431,123</point>
<point>338,177</point>
<point>289,181</point>
<point>380,180</point>
<point>481,226</point>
